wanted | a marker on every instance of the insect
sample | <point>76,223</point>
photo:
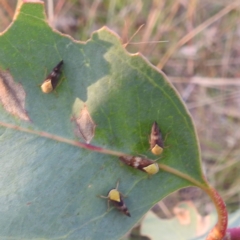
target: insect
<point>116,198</point>
<point>144,164</point>
<point>156,141</point>
<point>52,79</point>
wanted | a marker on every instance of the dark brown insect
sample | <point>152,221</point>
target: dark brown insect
<point>52,79</point>
<point>144,164</point>
<point>116,198</point>
<point>156,141</point>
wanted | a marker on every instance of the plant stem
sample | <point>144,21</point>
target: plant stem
<point>64,140</point>
<point>219,230</point>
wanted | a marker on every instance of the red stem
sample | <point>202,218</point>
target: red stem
<point>219,230</point>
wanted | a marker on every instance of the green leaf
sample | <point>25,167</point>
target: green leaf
<point>48,187</point>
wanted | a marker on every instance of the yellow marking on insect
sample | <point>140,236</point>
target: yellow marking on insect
<point>114,195</point>
<point>152,169</point>
<point>157,150</point>
<point>47,86</point>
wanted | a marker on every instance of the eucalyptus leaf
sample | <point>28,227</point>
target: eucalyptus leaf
<point>49,188</point>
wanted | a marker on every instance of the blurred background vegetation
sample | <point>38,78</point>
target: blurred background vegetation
<point>197,44</point>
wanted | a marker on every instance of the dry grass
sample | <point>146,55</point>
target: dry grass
<point>201,58</point>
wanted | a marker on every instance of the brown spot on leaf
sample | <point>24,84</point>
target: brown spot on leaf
<point>85,125</point>
<point>12,96</point>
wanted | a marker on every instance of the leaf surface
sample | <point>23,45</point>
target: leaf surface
<point>48,188</point>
